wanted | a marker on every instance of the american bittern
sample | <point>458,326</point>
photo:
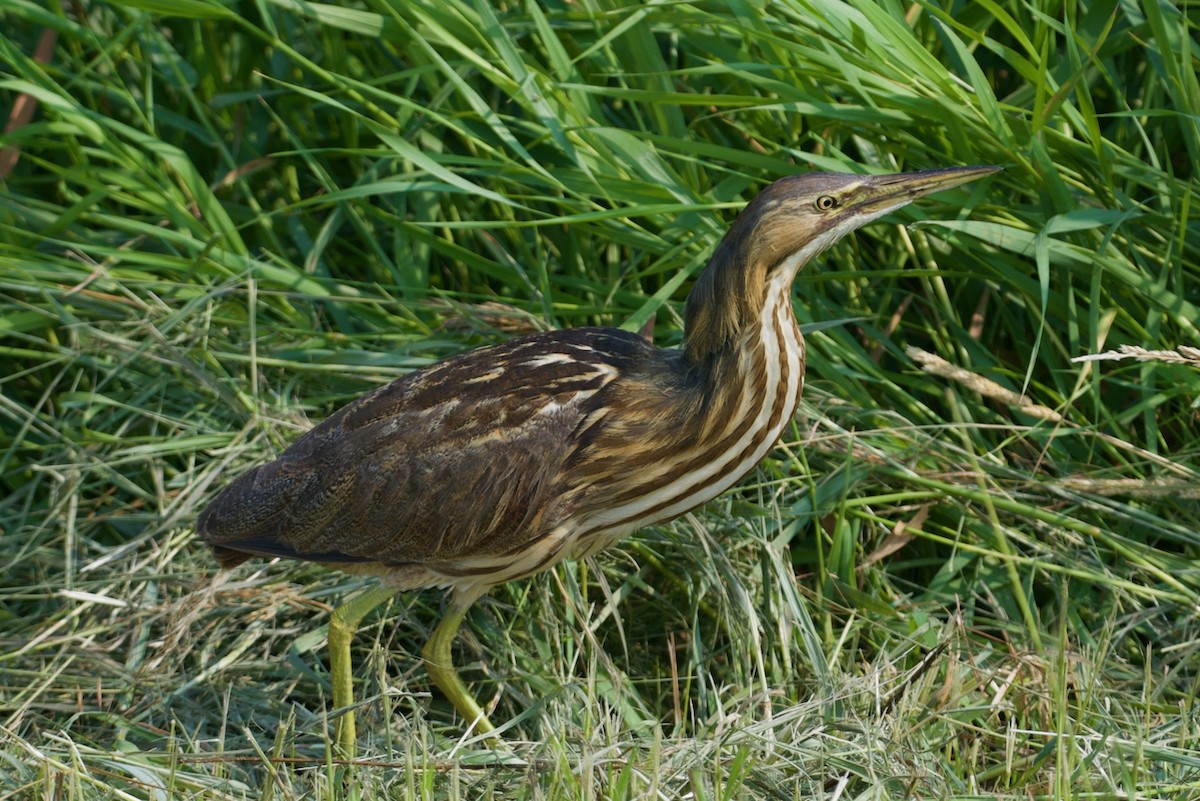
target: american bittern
<point>497,463</point>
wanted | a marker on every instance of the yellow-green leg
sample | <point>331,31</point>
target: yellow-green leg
<point>440,666</point>
<point>342,625</point>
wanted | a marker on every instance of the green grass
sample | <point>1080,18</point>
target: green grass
<point>228,219</point>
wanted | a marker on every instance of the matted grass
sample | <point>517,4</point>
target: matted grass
<point>970,570</point>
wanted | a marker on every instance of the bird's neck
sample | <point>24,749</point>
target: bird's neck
<point>738,307</point>
<point>741,339</point>
<point>761,352</point>
<point>693,430</point>
<point>694,422</point>
<point>724,303</point>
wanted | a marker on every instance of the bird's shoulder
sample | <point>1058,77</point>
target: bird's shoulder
<point>503,385</point>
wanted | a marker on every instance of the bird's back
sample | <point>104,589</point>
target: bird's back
<point>458,461</point>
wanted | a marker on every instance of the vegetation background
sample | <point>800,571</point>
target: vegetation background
<point>969,571</point>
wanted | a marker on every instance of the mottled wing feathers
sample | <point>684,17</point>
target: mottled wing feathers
<point>454,461</point>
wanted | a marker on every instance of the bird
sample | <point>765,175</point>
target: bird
<point>497,463</point>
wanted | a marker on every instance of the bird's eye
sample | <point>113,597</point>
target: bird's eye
<point>827,202</point>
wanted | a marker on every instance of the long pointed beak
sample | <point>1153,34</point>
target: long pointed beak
<point>880,194</point>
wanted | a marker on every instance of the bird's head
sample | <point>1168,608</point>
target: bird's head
<point>781,230</point>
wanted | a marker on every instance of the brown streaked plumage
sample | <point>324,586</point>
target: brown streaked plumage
<point>497,463</point>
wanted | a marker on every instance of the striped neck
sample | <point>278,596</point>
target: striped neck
<point>726,299</point>
<point>751,398</point>
<point>757,386</point>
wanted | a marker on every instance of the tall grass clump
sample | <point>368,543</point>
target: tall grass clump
<point>970,570</point>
